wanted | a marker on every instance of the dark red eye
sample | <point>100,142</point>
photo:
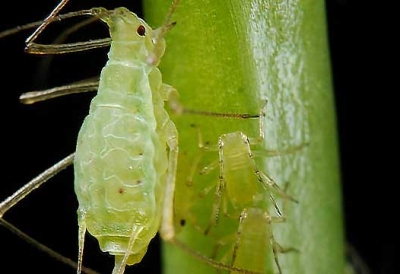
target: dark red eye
<point>141,30</point>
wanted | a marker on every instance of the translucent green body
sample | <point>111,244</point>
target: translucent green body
<point>242,182</point>
<point>121,158</point>
<point>254,250</point>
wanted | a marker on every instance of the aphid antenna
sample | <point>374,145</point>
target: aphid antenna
<point>179,109</point>
<point>167,25</point>
<point>44,24</point>
<point>220,114</point>
<point>34,48</point>
<point>31,25</point>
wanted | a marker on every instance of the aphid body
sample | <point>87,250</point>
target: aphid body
<point>241,184</point>
<point>121,164</point>
<point>254,244</point>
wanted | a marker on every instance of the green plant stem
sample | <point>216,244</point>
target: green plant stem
<point>228,56</point>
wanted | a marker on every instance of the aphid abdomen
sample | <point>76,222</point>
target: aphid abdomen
<point>238,171</point>
<point>117,183</point>
<point>254,246</point>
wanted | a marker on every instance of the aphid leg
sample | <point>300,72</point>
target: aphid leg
<point>281,249</point>
<point>206,190</point>
<point>34,183</point>
<point>260,138</point>
<point>210,167</point>
<point>81,238</point>
<point>209,261</point>
<point>193,170</point>
<point>257,172</point>
<point>206,147</point>
<point>273,243</point>
<point>43,248</point>
<point>265,180</point>
<point>34,48</point>
<point>227,257</point>
<point>190,215</point>
<point>277,248</point>
<point>269,182</point>
<point>167,225</point>
<point>276,152</point>
<point>27,189</point>
<point>120,261</point>
<point>218,192</point>
<point>43,95</point>
<point>45,63</point>
<point>46,22</point>
<point>169,93</point>
<point>355,262</point>
<point>261,117</point>
<point>242,219</point>
<point>167,232</point>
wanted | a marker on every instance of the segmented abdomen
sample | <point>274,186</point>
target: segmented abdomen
<point>117,181</point>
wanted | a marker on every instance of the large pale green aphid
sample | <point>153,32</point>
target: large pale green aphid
<point>124,176</point>
<point>124,180</point>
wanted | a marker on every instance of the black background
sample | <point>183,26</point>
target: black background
<point>35,137</point>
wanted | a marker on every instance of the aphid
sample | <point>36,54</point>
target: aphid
<point>124,179</point>
<point>254,242</point>
<point>242,193</point>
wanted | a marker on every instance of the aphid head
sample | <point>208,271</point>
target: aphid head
<point>134,37</point>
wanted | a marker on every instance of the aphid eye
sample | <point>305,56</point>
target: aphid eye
<point>141,30</point>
